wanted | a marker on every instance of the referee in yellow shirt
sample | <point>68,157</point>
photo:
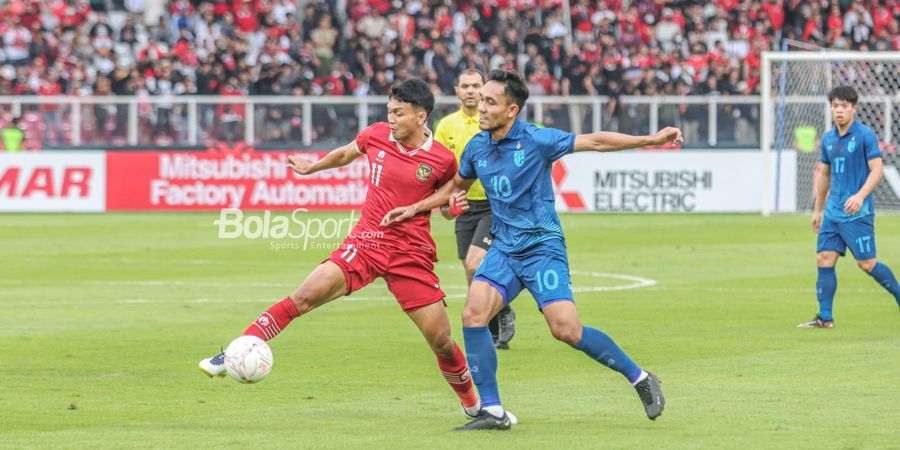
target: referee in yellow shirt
<point>473,228</point>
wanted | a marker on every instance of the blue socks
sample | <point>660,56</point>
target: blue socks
<point>602,349</point>
<point>482,357</point>
<point>883,275</point>
<point>826,286</point>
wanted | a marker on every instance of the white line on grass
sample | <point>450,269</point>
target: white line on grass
<point>450,297</point>
<point>645,283</point>
<point>200,300</point>
<point>637,282</point>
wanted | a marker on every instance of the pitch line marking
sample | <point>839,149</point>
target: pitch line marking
<point>637,282</point>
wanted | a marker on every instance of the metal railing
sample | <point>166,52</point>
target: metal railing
<point>321,122</point>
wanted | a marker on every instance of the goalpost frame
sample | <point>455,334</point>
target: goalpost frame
<point>767,107</point>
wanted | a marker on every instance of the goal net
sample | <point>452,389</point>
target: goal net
<point>795,114</point>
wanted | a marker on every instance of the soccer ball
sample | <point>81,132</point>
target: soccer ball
<point>248,359</point>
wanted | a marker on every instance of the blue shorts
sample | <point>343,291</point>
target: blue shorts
<point>859,235</point>
<point>543,269</point>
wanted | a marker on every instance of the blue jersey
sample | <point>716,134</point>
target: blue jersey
<point>516,174</point>
<point>849,156</point>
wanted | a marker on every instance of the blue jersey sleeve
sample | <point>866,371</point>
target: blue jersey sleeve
<point>871,144</point>
<point>824,152</point>
<point>467,160</point>
<point>554,144</point>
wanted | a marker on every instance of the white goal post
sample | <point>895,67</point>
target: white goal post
<point>795,113</point>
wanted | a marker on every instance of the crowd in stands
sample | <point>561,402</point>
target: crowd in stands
<point>360,47</point>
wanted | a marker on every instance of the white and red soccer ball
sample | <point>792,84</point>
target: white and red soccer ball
<point>248,359</point>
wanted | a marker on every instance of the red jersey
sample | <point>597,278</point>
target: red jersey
<point>400,176</point>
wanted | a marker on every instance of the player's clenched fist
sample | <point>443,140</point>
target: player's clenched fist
<point>458,204</point>
<point>666,135</point>
<point>300,165</point>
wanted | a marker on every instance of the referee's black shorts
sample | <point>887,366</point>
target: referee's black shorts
<point>474,228</point>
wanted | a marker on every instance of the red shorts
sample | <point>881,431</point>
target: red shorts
<point>409,273</point>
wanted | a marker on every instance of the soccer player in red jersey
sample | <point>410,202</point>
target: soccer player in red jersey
<point>406,165</point>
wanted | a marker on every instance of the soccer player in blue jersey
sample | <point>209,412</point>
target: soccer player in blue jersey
<point>850,169</point>
<point>513,161</point>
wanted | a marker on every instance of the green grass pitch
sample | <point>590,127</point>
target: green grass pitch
<point>104,318</point>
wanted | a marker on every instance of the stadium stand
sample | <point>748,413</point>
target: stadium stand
<point>359,47</point>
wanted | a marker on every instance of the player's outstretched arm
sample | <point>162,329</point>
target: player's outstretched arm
<point>454,188</point>
<point>607,141</point>
<point>338,157</point>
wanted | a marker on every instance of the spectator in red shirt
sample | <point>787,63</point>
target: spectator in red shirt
<point>186,53</point>
<point>74,15</point>
<point>245,18</point>
<point>50,87</point>
<point>835,23</point>
<point>774,12</point>
<point>699,60</point>
<point>405,26</point>
<point>813,29</point>
<point>152,51</point>
<point>881,18</point>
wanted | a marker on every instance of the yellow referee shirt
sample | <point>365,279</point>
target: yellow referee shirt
<point>454,131</point>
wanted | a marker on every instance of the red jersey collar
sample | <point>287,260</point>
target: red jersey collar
<point>426,146</point>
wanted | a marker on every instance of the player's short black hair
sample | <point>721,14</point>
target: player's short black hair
<point>416,92</point>
<point>516,90</point>
<point>469,72</point>
<point>845,93</point>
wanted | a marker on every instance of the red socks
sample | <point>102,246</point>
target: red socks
<point>454,367</point>
<point>456,372</point>
<point>273,320</point>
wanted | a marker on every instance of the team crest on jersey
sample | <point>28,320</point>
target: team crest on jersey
<point>424,172</point>
<point>380,156</point>
<point>519,155</point>
<point>852,145</point>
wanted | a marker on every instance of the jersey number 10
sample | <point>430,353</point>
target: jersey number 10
<point>501,186</point>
